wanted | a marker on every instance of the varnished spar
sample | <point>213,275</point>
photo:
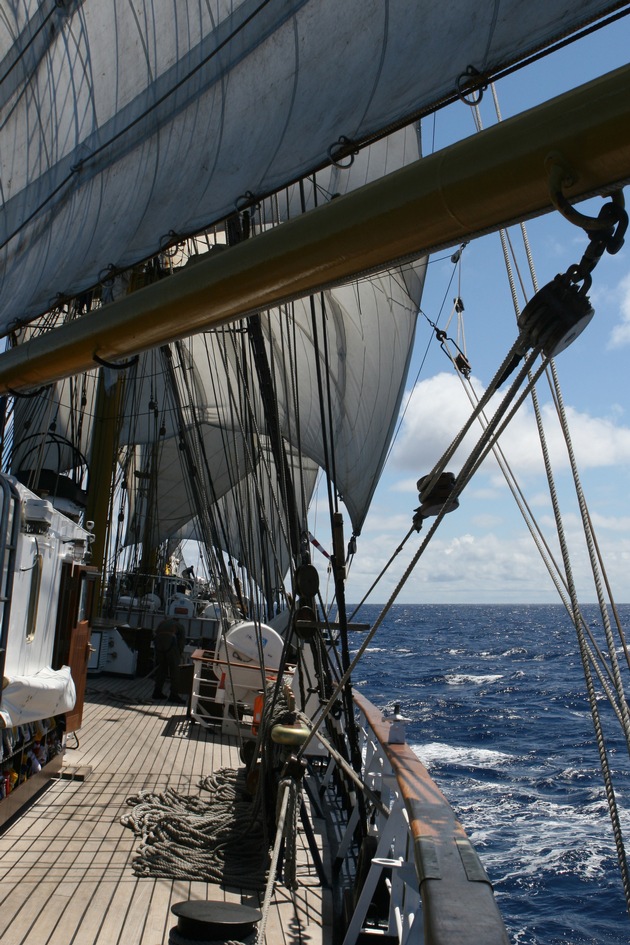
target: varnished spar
<point>477,185</point>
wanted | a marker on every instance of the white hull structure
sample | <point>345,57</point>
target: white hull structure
<point>47,591</point>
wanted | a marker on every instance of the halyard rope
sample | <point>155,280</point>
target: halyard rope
<point>483,445</point>
<point>619,704</point>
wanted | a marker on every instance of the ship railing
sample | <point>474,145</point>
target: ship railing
<point>438,890</point>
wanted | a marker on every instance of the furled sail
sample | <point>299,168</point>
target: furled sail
<point>126,124</point>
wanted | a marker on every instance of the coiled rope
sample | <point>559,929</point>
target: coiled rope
<point>185,837</point>
<point>223,838</point>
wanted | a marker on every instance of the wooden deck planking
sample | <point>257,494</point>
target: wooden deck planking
<point>158,919</point>
<point>65,864</point>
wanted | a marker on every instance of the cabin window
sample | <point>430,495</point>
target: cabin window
<point>85,597</point>
<point>33,600</point>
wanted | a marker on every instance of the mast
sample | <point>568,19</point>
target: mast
<point>108,412</point>
<point>277,446</point>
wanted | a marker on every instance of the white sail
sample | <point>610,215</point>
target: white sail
<point>370,329</point>
<point>54,430</point>
<point>258,541</point>
<point>123,124</point>
<point>165,490</point>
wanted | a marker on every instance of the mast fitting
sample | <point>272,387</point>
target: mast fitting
<point>343,148</point>
<point>471,85</point>
<point>115,365</point>
<point>560,311</point>
<point>556,315</point>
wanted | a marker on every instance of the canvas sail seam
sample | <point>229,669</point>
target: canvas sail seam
<point>129,118</point>
<point>31,46</point>
<point>137,246</point>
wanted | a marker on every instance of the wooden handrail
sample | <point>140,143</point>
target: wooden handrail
<point>457,898</point>
<point>199,657</point>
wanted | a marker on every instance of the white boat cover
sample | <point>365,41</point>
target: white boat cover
<point>47,693</point>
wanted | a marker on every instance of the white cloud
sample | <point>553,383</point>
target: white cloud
<point>539,500</point>
<point>612,523</point>
<point>483,552</point>
<point>620,335</point>
<point>439,407</point>
<point>481,568</point>
<point>487,521</point>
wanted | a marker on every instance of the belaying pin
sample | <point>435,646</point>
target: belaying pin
<point>397,726</point>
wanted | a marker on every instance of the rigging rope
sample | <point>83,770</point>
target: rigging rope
<point>224,838</point>
<point>187,837</point>
<point>475,457</point>
<point>590,258</point>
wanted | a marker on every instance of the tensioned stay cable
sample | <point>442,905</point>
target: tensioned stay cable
<point>621,708</point>
<point>459,485</point>
<point>595,560</point>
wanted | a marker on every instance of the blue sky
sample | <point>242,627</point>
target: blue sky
<point>483,551</point>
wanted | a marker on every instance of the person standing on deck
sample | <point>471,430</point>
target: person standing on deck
<point>170,638</point>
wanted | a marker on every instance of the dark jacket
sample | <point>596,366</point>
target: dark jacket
<point>169,633</point>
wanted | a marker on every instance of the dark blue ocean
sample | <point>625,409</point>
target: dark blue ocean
<point>498,713</point>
